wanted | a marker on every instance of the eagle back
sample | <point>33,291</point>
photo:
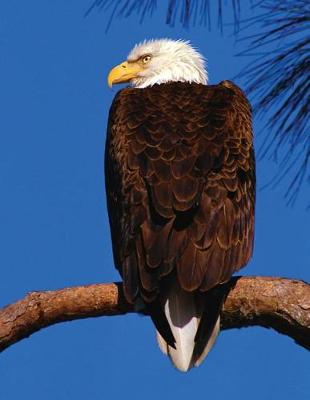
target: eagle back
<point>180,184</point>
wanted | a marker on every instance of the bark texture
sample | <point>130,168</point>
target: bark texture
<point>281,304</point>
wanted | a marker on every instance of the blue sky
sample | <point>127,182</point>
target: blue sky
<point>54,229</point>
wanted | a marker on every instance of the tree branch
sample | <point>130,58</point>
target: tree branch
<point>281,304</point>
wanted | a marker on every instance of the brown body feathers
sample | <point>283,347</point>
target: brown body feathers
<point>180,182</point>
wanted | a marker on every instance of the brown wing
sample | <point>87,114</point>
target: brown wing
<point>180,182</point>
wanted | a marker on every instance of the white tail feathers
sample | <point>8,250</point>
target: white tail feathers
<point>210,343</point>
<point>184,315</point>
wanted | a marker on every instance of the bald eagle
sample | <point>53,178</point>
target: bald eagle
<point>180,184</point>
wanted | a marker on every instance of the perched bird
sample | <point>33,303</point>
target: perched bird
<point>180,184</point>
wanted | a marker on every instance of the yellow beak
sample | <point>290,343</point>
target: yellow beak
<point>124,72</point>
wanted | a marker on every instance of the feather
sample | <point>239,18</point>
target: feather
<point>180,184</point>
<point>184,312</point>
<point>182,316</point>
<point>210,343</point>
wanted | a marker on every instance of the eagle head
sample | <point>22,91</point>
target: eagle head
<point>160,61</point>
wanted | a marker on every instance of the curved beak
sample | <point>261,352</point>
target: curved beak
<point>124,72</point>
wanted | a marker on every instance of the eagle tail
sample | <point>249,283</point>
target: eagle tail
<point>192,328</point>
<point>208,345</point>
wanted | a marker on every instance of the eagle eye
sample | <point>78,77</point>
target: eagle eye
<point>146,59</point>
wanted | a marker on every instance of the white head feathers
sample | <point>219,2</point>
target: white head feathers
<point>169,61</point>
